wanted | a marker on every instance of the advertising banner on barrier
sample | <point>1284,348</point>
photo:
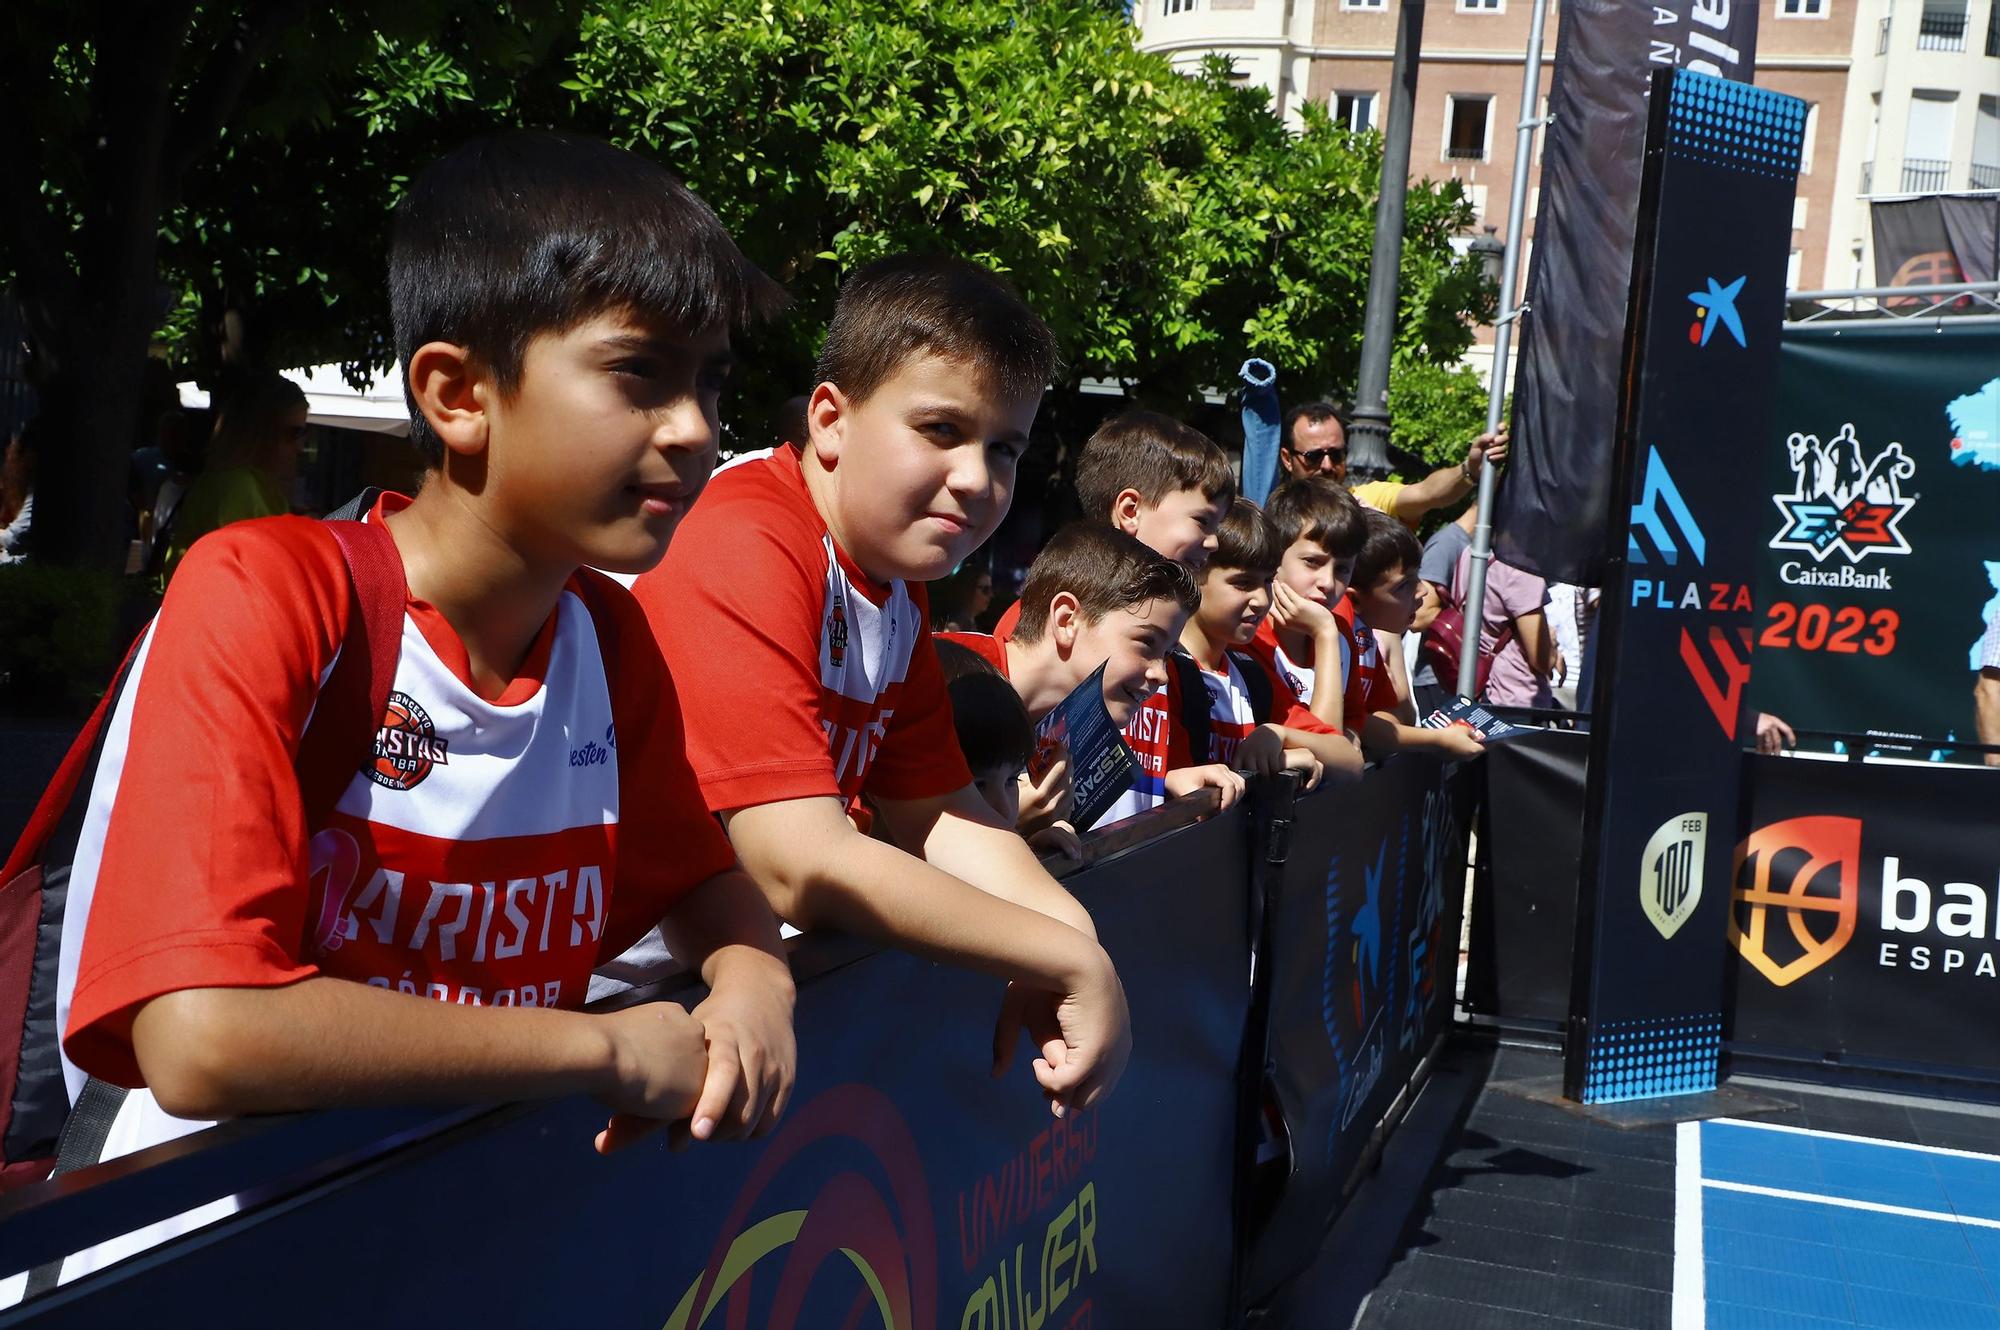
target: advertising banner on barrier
<point>1524,895</point>
<point>1363,959</point>
<point>1881,561</point>
<point>907,1188</point>
<point>1558,490</point>
<point>1864,915</point>
<point>1675,629</point>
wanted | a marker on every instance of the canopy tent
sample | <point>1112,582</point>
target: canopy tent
<point>378,408</point>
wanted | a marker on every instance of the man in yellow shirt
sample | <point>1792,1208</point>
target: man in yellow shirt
<point>1315,442</point>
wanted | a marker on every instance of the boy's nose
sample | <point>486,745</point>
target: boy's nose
<point>684,427</point>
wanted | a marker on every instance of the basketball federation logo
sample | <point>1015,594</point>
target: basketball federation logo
<point>406,745</point>
<point>1798,884</point>
<point>1670,871</point>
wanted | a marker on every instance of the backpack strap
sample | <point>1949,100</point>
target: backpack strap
<point>1257,681</point>
<point>340,738</point>
<point>1193,700</point>
<point>84,1132</point>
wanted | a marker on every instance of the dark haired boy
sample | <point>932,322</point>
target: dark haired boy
<point>998,740</point>
<point>1098,597</point>
<point>562,310</point>
<point>792,613</point>
<point>1384,596</point>
<point>1322,528</point>
<point>1252,721</point>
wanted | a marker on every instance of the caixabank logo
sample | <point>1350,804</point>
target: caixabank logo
<point>1843,501</point>
<point>1667,543</point>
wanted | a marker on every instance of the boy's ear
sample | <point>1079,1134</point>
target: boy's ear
<point>1125,511</point>
<point>826,423</point>
<point>452,392</point>
<point>1065,620</point>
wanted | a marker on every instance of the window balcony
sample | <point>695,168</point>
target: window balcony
<point>1882,38</point>
<point>1867,179</point>
<point>1941,30</point>
<point>1924,175</point>
<point>1984,175</point>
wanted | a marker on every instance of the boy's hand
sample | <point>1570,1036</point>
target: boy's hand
<point>1084,1036</point>
<point>657,1068</point>
<point>1214,776</point>
<point>1262,751</point>
<point>753,1056</point>
<point>1296,613</point>
<point>1057,838</point>
<point>1301,759</point>
<point>1048,800</point>
<point>1460,741</point>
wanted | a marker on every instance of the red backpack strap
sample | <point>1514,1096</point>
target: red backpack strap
<point>340,738</point>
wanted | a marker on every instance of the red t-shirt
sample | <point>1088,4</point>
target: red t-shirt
<point>480,859</point>
<point>1009,618</point>
<point>1369,686</point>
<point>989,648</point>
<point>798,675</point>
<point>1299,679</point>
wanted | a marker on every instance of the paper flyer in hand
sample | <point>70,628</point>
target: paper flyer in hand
<point>1474,717</point>
<point>1100,765</point>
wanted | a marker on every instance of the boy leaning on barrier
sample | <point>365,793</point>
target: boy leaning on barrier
<point>792,613</point>
<point>562,312</point>
<point>1096,596</point>
<point>1384,596</point>
<point>1253,722</point>
<point>1301,642</point>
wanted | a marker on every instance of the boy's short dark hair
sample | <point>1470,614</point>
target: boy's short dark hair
<point>1106,570</point>
<point>1153,454</point>
<point>1390,544</point>
<point>1248,541</point>
<point>915,304</point>
<point>993,726</point>
<point>533,232</point>
<point>1313,413</point>
<point>1319,509</point>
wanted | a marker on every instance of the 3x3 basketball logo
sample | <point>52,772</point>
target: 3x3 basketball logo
<point>407,745</point>
<point>1839,502</point>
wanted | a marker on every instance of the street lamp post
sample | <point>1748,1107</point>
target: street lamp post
<point>1368,436</point>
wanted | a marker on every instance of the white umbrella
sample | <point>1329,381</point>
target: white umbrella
<point>378,407</point>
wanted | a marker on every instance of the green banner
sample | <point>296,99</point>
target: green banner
<point>1882,559</point>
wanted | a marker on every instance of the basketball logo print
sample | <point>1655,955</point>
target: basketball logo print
<point>406,745</point>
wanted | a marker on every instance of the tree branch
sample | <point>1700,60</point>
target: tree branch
<point>213,95</point>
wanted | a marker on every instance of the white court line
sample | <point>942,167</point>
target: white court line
<point>1690,1275</point>
<point>1848,1203</point>
<point>1859,1140</point>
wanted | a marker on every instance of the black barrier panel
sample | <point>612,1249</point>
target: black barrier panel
<point>1362,960</point>
<point>906,1188</point>
<point>1864,916</point>
<point>1524,888</point>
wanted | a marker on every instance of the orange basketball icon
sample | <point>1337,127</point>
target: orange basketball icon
<point>1809,870</point>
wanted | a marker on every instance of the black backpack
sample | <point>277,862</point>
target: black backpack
<point>1193,696</point>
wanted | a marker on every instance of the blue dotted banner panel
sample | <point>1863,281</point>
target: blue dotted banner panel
<point>1736,126</point>
<point>1641,1059</point>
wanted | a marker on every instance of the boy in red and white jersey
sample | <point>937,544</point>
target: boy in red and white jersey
<point>1253,722</point>
<point>791,614</point>
<point>562,311</point>
<point>1302,641</point>
<point>1384,595</point>
<point>1096,596</point>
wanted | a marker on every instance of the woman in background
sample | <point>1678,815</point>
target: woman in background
<point>252,461</point>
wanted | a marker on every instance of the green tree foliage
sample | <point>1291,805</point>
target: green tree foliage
<point>1434,410</point>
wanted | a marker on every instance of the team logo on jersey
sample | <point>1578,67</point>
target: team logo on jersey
<point>406,746</point>
<point>836,632</point>
<point>1841,502</point>
<point>1670,871</point>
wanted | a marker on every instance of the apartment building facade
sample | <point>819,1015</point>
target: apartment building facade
<point>1904,94</point>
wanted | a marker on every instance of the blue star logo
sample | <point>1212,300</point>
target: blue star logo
<point>1718,305</point>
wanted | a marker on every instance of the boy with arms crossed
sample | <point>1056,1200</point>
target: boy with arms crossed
<point>562,310</point>
<point>797,584</point>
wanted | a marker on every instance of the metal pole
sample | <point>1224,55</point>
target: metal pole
<point>1496,390</point>
<point>1368,438</point>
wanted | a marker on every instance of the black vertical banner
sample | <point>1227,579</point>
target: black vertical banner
<point>1558,488</point>
<point>1704,310</point>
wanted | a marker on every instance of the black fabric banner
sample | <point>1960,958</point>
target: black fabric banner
<point>1936,239</point>
<point>1363,958</point>
<point>1524,888</point>
<point>1881,560</point>
<point>1675,628</point>
<point>1556,497</point>
<point>1864,916</point>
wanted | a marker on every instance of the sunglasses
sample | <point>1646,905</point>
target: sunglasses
<point>1317,456</point>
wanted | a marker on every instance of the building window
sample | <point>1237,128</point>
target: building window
<point>1364,4</point>
<point>1811,136</point>
<point>1467,127</point>
<point>1986,145</point>
<point>1794,266</point>
<point>1356,110</point>
<point>1802,8</point>
<point>1942,27</point>
<point>1798,214</point>
<point>1482,6</point>
<point>1927,138</point>
<point>1178,6</point>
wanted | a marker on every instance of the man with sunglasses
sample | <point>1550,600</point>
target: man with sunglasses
<point>1315,443</point>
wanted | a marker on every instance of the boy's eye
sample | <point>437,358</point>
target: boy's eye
<point>713,378</point>
<point>940,431</point>
<point>1010,450</point>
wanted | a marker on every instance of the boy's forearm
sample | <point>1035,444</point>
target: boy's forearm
<point>723,924</point>
<point>1338,756</point>
<point>324,1043</point>
<point>999,862</point>
<point>1328,687</point>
